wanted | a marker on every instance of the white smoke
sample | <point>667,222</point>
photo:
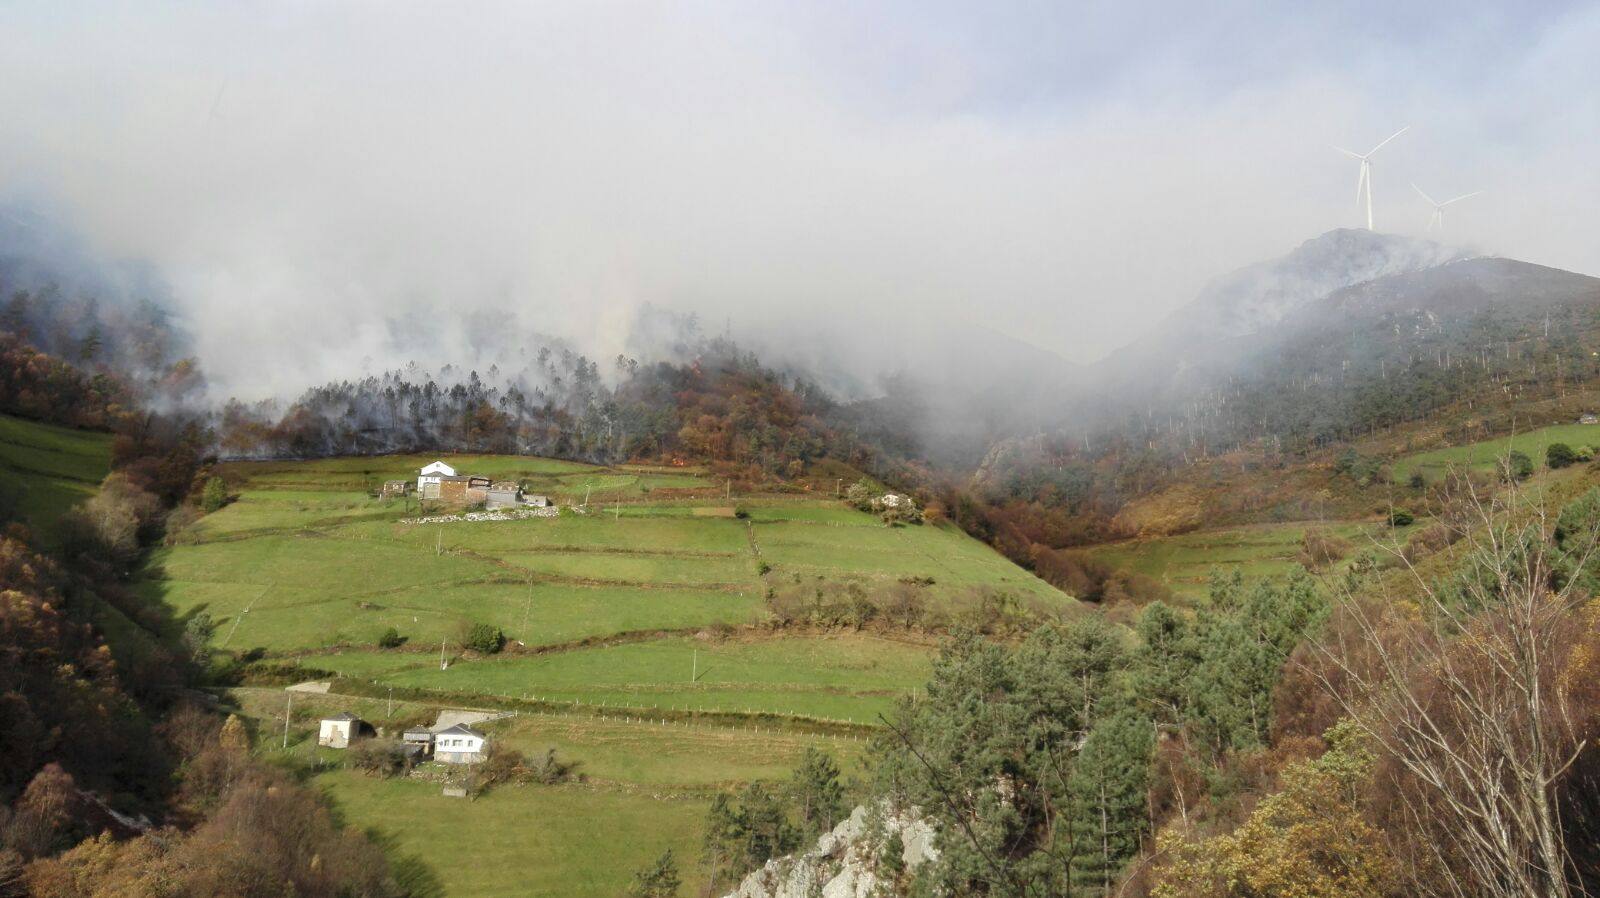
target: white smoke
<point>335,187</point>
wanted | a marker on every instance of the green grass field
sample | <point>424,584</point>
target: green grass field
<point>45,470</point>
<point>571,840</point>
<point>1185,562</point>
<point>848,678</point>
<point>629,603</point>
<point>303,559</point>
<point>1482,456</point>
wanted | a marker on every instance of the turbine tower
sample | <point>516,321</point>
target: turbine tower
<point>1437,218</point>
<point>1364,180</point>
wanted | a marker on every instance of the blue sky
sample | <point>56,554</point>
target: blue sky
<point>1065,173</point>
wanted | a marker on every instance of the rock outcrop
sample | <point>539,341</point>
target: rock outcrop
<point>845,862</point>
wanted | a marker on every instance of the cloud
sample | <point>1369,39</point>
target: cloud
<point>306,175</point>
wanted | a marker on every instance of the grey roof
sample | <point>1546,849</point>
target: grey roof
<point>342,715</point>
<point>460,729</point>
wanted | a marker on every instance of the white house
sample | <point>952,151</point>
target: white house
<point>433,474</point>
<point>339,730</point>
<point>459,744</point>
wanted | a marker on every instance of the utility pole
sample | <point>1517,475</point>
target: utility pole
<point>391,701</point>
<point>442,664</point>
<point>694,671</point>
<point>287,710</point>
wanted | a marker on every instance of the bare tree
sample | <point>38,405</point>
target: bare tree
<point>1464,687</point>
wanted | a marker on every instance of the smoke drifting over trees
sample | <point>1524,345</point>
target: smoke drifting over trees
<point>322,186</point>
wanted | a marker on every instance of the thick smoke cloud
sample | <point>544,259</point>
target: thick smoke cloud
<point>336,189</point>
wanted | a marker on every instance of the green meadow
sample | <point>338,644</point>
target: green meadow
<point>650,599</point>
<point>850,678</point>
<point>45,470</point>
<point>570,840</point>
<point>1186,562</point>
<point>1482,456</point>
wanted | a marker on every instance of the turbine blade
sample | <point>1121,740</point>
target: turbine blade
<point>1387,139</point>
<point>1463,196</point>
<point>1348,153</point>
<point>1424,195</point>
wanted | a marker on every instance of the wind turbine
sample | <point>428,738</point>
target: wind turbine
<point>1364,180</point>
<point>1437,218</point>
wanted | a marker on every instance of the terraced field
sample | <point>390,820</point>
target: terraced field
<point>1482,456</point>
<point>633,623</point>
<point>1185,562</point>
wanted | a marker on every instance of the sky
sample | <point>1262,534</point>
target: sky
<point>307,174</point>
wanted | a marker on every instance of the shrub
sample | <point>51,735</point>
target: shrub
<point>507,765</point>
<point>1559,455</point>
<point>214,496</point>
<point>550,769</point>
<point>1516,466</point>
<point>1320,548</point>
<point>485,638</point>
<point>112,524</point>
<point>391,639</point>
<point>1417,481</point>
<point>860,495</point>
<point>1428,540</point>
<point>763,568</point>
<point>178,522</point>
<point>1400,518</point>
<point>379,757</point>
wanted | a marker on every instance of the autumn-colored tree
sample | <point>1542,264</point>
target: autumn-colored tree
<point>1308,840</point>
<point>233,736</point>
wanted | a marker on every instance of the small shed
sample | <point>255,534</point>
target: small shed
<point>340,730</point>
<point>504,494</point>
<point>536,501</point>
<point>395,489</point>
<point>419,738</point>
<point>460,744</point>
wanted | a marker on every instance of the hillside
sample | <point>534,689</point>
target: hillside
<point>45,470</point>
<point>644,639</point>
<point>1252,301</point>
<point>1350,331</point>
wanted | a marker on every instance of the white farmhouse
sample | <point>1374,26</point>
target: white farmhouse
<point>459,744</point>
<point>433,474</point>
<point>339,730</point>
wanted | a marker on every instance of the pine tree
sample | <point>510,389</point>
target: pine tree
<point>214,496</point>
<point>659,880</point>
<point>1110,778</point>
<point>816,793</point>
<point>1164,662</point>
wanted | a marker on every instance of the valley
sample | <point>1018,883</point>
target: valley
<point>642,642</point>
